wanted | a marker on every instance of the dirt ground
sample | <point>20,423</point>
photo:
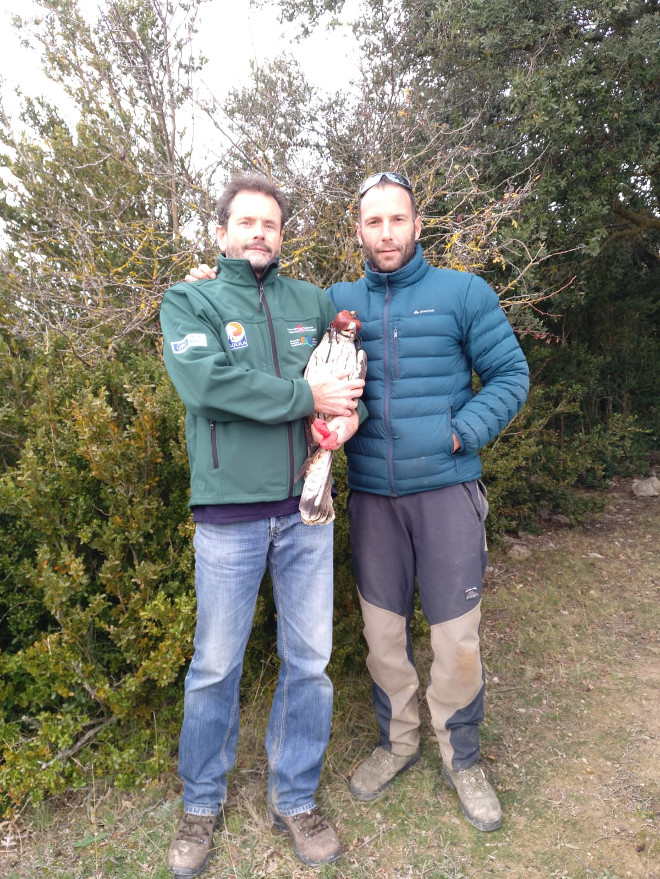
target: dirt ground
<point>595,729</point>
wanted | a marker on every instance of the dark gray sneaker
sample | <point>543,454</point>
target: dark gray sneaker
<point>478,799</point>
<point>315,842</point>
<point>377,773</point>
<point>191,846</point>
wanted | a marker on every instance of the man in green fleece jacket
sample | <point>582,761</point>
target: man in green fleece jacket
<point>236,348</point>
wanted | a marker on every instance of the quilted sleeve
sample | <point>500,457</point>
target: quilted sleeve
<point>497,358</point>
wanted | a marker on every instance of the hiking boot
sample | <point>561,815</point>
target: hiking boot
<point>314,840</point>
<point>191,846</point>
<point>478,799</point>
<point>377,772</point>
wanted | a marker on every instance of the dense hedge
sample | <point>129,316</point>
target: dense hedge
<point>95,567</point>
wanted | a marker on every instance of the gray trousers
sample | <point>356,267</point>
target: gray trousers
<point>435,539</point>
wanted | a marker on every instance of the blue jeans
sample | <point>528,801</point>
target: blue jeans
<point>231,560</point>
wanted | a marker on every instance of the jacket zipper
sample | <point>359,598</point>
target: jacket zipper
<point>276,364</point>
<point>388,389</point>
<point>214,447</point>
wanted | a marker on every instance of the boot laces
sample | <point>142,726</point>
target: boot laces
<point>476,780</point>
<point>382,757</point>
<point>196,828</point>
<point>311,823</point>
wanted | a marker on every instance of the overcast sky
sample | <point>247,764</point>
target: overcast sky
<point>231,33</point>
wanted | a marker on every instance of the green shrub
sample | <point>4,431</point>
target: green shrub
<point>96,567</point>
<point>546,460</point>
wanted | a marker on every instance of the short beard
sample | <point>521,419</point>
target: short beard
<point>406,255</point>
<point>258,261</point>
<point>261,262</point>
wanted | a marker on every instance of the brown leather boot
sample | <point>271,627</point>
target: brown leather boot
<point>191,846</point>
<point>314,840</point>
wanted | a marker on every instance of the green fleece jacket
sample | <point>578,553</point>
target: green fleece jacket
<point>236,348</point>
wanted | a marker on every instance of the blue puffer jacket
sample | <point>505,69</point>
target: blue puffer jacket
<point>425,330</point>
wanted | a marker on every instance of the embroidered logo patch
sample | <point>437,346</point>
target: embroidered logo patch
<point>303,337</point>
<point>192,340</point>
<point>299,329</point>
<point>236,335</point>
<point>309,341</point>
<point>471,593</point>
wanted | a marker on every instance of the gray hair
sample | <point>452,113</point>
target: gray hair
<point>250,183</point>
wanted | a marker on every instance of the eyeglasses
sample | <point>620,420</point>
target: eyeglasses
<point>392,176</point>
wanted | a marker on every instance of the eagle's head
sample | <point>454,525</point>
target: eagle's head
<point>347,321</point>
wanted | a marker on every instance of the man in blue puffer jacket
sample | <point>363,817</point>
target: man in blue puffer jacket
<point>417,506</point>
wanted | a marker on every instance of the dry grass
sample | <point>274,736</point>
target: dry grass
<point>570,741</point>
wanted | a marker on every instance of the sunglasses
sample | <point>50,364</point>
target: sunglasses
<point>391,176</point>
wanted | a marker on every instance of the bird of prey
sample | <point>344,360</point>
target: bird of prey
<point>338,353</point>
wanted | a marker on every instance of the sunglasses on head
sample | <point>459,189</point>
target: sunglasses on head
<point>391,176</point>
